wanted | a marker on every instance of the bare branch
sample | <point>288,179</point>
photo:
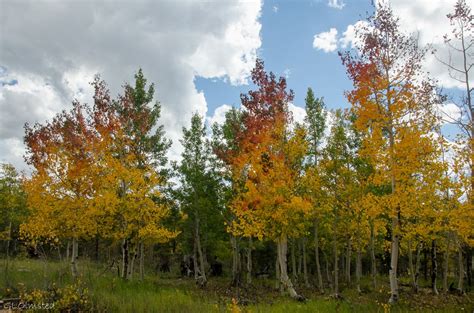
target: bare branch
<point>448,64</point>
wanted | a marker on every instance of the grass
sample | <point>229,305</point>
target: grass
<point>169,293</point>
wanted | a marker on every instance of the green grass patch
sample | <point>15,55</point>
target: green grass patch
<point>169,293</point>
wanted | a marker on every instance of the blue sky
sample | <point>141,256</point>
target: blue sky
<point>287,34</point>
<point>288,29</point>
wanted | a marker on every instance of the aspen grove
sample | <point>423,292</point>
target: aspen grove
<point>359,198</point>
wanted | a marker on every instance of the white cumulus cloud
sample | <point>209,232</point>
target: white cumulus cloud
<point>219,115</point>
<point>426,20</point>
<point>53,49</point>
<point>297,112</point>
<point>349,38</point>
<point>326,41</point>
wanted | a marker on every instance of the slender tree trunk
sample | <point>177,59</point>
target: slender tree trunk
<point>282,245</point>
<point>195,260</point>
<point>204,253</point>
<point>348,261</point>
<point>372,257</point>
<point>466,55</point>
<point>358,267</point>
<point>67,249</point>
<point>328,276</point>
<point>125,259</point>
<point>131,265</point>
<point>395,219</point>
<point>278,284</point>
<point>200,254</point>
<point>469,266</point>
<point>300,258</point>
<point>142,260</point>
<point>446,268</point>
<point>293,261</point>
<point>235,262</point>
<point>305,265</point>
<point>74,258</point>
<point>342,264</point>
<point>412,267</point>
<point>417,266</point>
<point>96,252</point>
<point>425,264</point>
<point>336,269</point>
<point>316,254</point>
<point>7,263</point>
<point>460,270</point>
<point>394,262</point>
<point>9,239</point>
<point>131,268</point>
<point>15,246</point>
<point>434,267</point>
<point>249,262</point>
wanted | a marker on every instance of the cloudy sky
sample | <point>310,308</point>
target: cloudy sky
<point>198,53</point>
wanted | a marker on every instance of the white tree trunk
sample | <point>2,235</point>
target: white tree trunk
<point>202,278</point>
<point>395,223</point>
<point>195,260</point>
<point>328,276</point>
<point>372,257</point>
<point>417,266</point>
<point>358,268</point>
<point>434,267</point>
<point>446,267</point>
<point>410,263</point>
<point>348,261</point>
<point>131,268</point>
<point>282,245</point>
<point>278,284</point>
<point>336,270</point>
<point>293,261</point>
<point>300,258</point>
<point>394,262</point>
<point>67,249</point>
<point>249,262</point>
<point>460,270</point>
<point>316,254</point>
<point>74,256</point>
<point>142,260</point>
<point>305,265</point>
<point>125,259</point>
<point>235,262</point>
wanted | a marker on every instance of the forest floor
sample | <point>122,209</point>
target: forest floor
<point>102,291</point>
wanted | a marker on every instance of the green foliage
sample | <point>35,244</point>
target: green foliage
<point>140,115</point>
<point>199,191</point>
<point>316,123</point>
<point>13,210</point>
